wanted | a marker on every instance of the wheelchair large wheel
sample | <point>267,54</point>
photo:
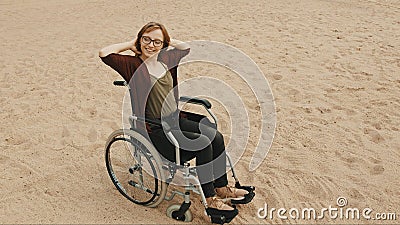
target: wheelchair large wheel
<point>135,168</point>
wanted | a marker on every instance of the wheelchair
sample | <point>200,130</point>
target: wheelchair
<point>141,175</point>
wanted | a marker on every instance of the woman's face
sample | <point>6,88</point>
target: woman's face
<point>151,43</point>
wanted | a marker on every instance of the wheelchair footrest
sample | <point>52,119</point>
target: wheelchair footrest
<point>180,214</point>
<point>247,188</point>
<point>221,216</point>
<point>247,198</point>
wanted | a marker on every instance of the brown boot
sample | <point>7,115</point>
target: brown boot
<point>228,193</point>
<point>217,203</point>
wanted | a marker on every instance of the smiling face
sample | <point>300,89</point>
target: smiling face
<point>151,43</point>
<point>149,37</point>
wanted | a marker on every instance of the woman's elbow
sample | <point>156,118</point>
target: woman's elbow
<point>184,46</point>
<point>102,53</point>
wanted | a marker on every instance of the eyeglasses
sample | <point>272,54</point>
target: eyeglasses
<point>147,40</point>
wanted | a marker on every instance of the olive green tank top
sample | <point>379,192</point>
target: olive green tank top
<point>161,101</point>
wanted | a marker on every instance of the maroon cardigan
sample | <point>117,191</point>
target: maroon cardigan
<point>135,72</point>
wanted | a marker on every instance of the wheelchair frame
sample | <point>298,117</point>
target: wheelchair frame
<point>141,149</point>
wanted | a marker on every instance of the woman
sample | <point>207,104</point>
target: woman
<point>153,71</point>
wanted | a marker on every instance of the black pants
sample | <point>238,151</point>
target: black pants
<point>199,141</point>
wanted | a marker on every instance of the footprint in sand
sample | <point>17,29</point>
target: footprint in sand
<point>15,140</point>
<point>354,193</point>
<point>374,135</point>
<point>377,169</point>
<point>277,77</point>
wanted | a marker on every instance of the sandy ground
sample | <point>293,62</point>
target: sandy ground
<point>333,67</point>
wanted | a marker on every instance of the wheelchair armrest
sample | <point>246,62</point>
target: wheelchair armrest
<point>153,122</point>
<point>147,120</point>
<point>195,100</point>
<point>120,83</point>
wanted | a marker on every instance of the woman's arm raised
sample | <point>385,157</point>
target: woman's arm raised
<point>117,48</point>
<point>179,44</point>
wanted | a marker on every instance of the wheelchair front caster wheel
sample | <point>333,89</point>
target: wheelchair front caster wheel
<point>187,217</point>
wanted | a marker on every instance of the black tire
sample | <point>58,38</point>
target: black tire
<point>135,168</point>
